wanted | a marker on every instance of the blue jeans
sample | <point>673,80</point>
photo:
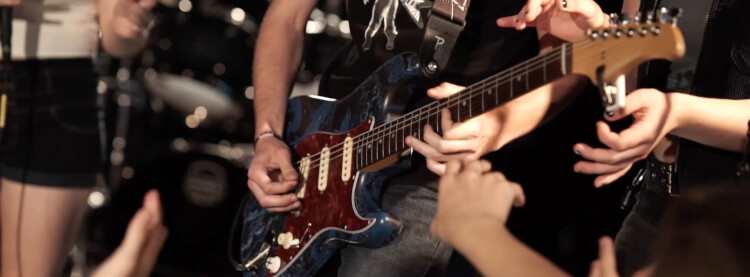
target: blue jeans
<point>416,252</point>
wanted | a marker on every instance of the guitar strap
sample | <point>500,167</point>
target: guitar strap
<point>444,24</point>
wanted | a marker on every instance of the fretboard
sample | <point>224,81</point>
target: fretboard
<point>389,138</point>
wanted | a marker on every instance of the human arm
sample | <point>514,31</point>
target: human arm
<point>278,56</point>
<point>490,131</point>
<point>124,25</point>
<point>473,206</point>
<point>719,123</point>
<point>144,237</point>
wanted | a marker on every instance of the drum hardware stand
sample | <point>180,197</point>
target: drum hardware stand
<point>124,95</point>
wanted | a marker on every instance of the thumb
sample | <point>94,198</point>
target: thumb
<point>519,198</point>
<point>444,90</point>
<point>634,102</point>
<point>288,170</point>
<point>136,234</point>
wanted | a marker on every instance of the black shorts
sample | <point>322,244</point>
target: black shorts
<point>52,136</point>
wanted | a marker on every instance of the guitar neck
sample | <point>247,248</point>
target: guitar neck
<point>389,139</point>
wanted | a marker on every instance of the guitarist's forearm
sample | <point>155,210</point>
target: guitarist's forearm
<point>277,58</point>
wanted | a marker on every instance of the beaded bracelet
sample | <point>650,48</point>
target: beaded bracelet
<point>267,134</point>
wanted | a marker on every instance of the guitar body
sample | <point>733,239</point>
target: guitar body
<point>345,211</point>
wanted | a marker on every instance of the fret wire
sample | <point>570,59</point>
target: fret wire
<point>494,81</point>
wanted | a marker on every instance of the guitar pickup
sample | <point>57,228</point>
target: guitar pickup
<point>346,162</point>
<point>325,157</point>
<point>304,170</point>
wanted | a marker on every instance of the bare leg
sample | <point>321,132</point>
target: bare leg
<point>37,238</point>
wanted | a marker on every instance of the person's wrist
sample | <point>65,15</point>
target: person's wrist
<point>267,135</point>
<point>466,229</point>
<point>677,104</point>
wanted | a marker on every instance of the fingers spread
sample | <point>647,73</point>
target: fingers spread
<point>609,156</point>
<point>448,146</point>
<point>609,178</point>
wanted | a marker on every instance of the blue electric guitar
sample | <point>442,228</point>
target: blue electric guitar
<point>345,149</point>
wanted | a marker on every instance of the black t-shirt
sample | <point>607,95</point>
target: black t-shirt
<point>381,29</point>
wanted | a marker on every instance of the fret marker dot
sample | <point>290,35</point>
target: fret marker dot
<point>380,141</point>
<point>464,103</point>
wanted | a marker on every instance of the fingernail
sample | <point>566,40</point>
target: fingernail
<point>575,151</point>
<point>609,114</point>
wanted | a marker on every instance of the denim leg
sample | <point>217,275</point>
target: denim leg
<point>635,243</point>
<point>413,253</point>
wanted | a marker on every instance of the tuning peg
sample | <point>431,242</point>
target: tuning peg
<point>649,18</point>
<point>637,18</point>
<point>625,19</point>
<point>675,14</point>
<point>613,19</point>
<point>663,15</point>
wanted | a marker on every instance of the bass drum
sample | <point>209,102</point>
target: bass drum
<point>197,69</point>
<point>200,189</point>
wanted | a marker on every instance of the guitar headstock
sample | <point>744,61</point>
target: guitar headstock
<point>613,51</point>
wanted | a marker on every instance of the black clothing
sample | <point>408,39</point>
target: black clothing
<point>52,136</point>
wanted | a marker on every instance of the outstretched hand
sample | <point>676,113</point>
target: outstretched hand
<point>469,191</point>
<point>565,19</point>
<point>468,140</point>
<point>650,109</point>
<point>136,255</point>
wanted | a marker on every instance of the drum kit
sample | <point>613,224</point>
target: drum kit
<point>179,119</point>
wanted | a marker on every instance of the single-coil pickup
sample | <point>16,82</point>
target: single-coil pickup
<point>304,170</point>
<point>346,162</point>
<point>325,156</point>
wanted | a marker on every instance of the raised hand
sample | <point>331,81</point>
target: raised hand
<point>132,17</point>
<point>137,254</point>
<point>272,176</point>
<point>651,110</point>
<point>565,19</point>
<point>468,140</point>
<point>469,191</point>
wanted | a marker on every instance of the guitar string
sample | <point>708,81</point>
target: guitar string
<point>469,92</point>
<point>478,89</point>
<point>481,86</point>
